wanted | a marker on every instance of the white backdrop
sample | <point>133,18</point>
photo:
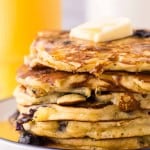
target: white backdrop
<point>137,10</point>
<point>75,12</point>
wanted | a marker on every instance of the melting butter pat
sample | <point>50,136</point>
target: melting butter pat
<point>101,31</point>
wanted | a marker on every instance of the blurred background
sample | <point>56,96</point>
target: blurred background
<point>21,20</point>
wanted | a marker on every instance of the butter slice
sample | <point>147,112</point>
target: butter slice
<point>106,30</point>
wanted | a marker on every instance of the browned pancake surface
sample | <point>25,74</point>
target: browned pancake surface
<point>129,54</point>
<point>48,80</point>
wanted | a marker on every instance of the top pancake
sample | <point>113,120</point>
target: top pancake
<point>57,50</point>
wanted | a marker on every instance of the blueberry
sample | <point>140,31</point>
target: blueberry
<point>28,138</point>
<point>62,125</point>
<point>142,33</point>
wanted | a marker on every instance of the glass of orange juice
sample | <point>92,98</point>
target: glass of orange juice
<point>20,20</point>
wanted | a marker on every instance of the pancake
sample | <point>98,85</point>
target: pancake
<point>96,130</point>
<point>114,144</point>
<point>57,50</point>
<point>49,112</point>
<point>87,143</point>
<point>23,98</point>
<point>45,80</point>
<point>125,101</point>
<point>79,94</point>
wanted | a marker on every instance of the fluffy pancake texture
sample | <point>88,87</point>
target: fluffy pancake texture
<point>55,112</point>
<point>47,80</point>
<point>96,130</point>
<point>86,144</point>
<point>125,101</point>
<point>76,94</point>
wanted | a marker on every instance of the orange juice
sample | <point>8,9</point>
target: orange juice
<point>19,22</point>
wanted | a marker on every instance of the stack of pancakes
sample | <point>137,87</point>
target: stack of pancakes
<point>85,95</point>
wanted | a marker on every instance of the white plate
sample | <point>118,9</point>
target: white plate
<point>7,108</point>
